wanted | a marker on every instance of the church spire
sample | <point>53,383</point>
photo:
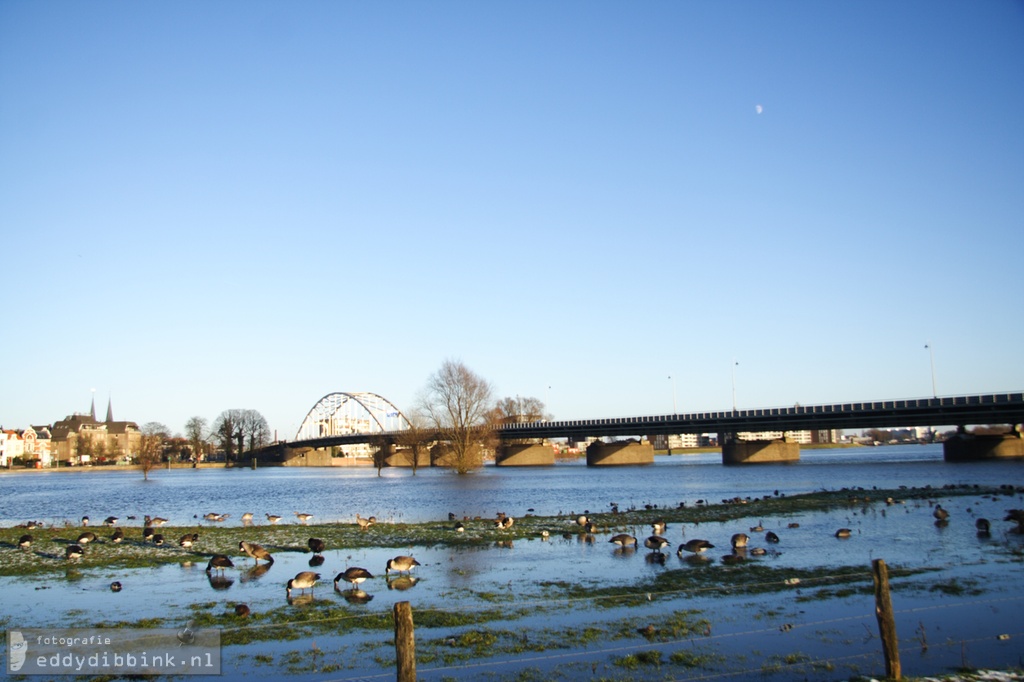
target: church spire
<point>92,408</point>
<point>110,411</point>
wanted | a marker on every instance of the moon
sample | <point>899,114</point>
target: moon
<point>759,108</point>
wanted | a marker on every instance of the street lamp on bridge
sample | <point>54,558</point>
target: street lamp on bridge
<point>734,363</point>
<point>931,355</point>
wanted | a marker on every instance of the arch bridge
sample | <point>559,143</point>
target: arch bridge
<point>344,414</point>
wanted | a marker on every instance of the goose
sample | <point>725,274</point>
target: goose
<point>219,562</point>
<point>581,520</point>
<point>758,551</point>
<point>459,527</point>
<point>154,521</point>
<point>655,542</point>
<point>739,540</point>
<point>694,546</point>
<point>86,537</point>
<point>242,610</point>
<point>273,518</point>
<point>148,533</point>
<point>303,518</point>
<point>110,521</point>
<point>843,533</point>
<point>188,539</point>
<point>316,545</point>
<point>507,522</point>
<point>659,527</point>
<point>246,519</point>
<point>983,526</point>
<point>256,552</point>
<point>623,540</point>
<point>85,520</point>
<point>401,564</point>
<point>304,580</point>
<point>158,539</point>
<point>25,541</point>
<point>940,514</point>
<point>73,552</point>
<point>590,527</point>
<point>115,586</point>
<point>757,529</point>
<point>117,536</point>
<point>215,517</point>
<point>770,536</point>
<point>354,575</point>
<point>365,523</point>
<point>1017,516</point>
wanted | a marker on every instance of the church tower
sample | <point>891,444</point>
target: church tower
<point>110,411</point>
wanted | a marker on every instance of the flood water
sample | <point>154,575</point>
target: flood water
<point>336,494</point>
<point>791,634</point>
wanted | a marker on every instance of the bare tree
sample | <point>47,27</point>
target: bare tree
<point>195,432</point>
<point>519,409</point>
<point>227,428</point>
<point>380,446</point>
<point>255,429</point>
<point>416,439</point>
<point>457,403</point>
<point>151,446</point>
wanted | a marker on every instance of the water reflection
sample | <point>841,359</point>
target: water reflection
<point>220,582</point>
<point>357,596</point>
<point>624,552</point>
<point>255,573</point>
<point>402,582</point>
<point>657,558</point>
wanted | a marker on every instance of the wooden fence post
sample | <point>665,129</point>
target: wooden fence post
<point>886,621</point>
<point>405,643</point>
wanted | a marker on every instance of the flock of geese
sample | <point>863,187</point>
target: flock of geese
<point>218,564</point>
<point>355,576</point>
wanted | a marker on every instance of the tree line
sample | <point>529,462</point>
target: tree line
<point>456,412</point>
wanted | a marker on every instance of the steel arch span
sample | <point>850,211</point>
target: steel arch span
<point>338,414</point>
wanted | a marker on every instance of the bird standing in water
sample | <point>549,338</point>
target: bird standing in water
<point>302,581</point>
<point>256,552</point>
<point>354,575</point>
<point>401,564</point>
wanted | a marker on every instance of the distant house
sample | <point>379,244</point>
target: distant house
<point>11,447</point>
<point>81,439</point>
<point>37,444</point>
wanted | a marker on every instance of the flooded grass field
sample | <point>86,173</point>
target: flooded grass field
<point>546,599</point>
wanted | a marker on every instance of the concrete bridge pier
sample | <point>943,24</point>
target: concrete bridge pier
<point>525,455</point>
<point>964,447</point>
<point>735,451</point>
<point>619,453</point>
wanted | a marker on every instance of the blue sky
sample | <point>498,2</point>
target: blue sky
<point>224,205</point>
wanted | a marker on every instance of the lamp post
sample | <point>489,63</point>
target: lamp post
<point>675,410</point>
<point>931,356</point>
<point>734,363</point>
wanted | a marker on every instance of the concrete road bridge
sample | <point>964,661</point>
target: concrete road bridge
<point>350,419</point>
